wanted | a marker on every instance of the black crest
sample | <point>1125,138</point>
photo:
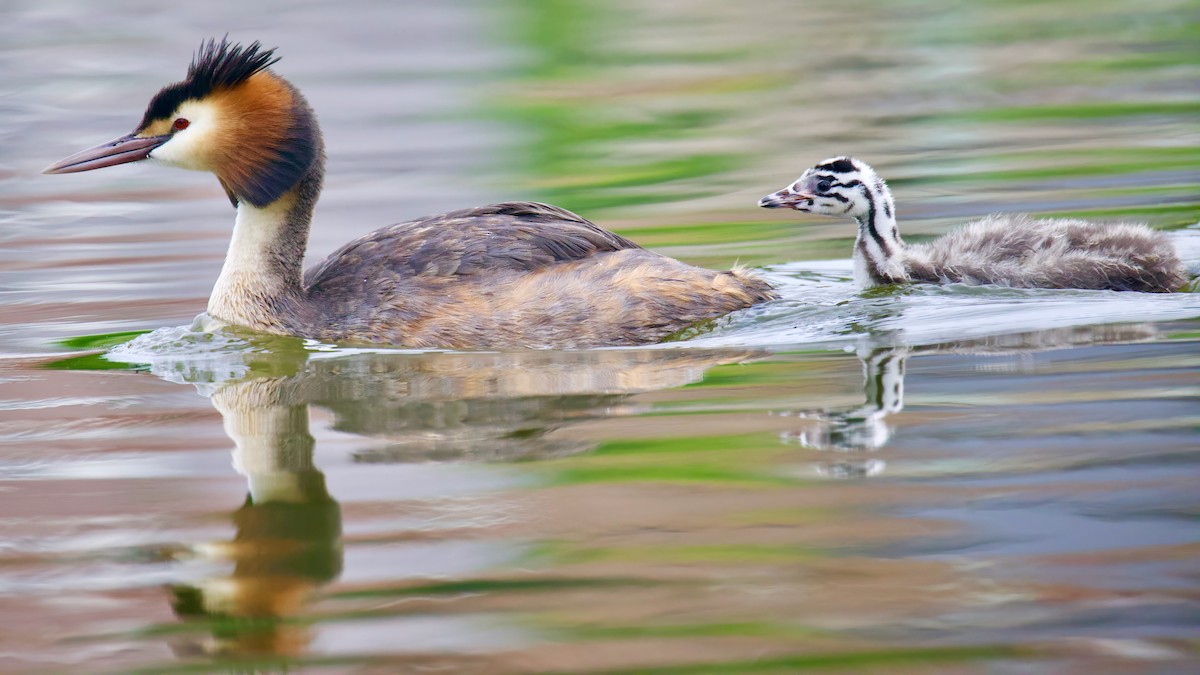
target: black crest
<point>216,65</point>
<point>224,65</point>
<point>839,165</point>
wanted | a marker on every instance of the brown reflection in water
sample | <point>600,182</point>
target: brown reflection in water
<point>630,573</point>
<point>288,540</point>
<point>489,407</point>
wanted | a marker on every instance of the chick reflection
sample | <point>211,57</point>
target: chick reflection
<point>853,432</point>
<point>857,429</point>
<point>288,540</point>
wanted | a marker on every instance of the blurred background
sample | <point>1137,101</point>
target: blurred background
<point>913,479</point>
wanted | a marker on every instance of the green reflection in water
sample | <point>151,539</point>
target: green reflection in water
<point>91,362</point>
<point>101,340</point>
<point>95,361</point>
<point>465,586</point>
<point>712,459</point>
<point>1091,110</point>
<point>1070,164</point>
<point>580,150</point>
<point>891,658</point>
<point>562,553</point>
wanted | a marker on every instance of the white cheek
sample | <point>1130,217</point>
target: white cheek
<point>825,206</point>
<point>188,148</point>
<point>179,152</point>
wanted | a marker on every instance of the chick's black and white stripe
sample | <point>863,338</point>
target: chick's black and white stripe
<point>1007,250</point>
<point>878,243</point>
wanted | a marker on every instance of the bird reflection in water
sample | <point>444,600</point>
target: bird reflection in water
<point>857,429</point>
<point>288,540</point>
<point>408,408</point>
<point>854,433</point>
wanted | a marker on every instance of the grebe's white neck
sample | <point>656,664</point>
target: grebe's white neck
<point>261,276</point>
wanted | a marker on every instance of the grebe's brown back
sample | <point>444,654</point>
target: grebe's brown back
<point>511,275</point>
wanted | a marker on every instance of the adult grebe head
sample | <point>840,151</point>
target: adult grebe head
<point>230,116</point>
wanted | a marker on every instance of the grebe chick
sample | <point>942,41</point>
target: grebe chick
<point>1007,250</point>
<point>511,275</point>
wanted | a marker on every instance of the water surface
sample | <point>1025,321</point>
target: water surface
<point>904,479</point>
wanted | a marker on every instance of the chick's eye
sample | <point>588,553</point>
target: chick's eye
<point>180,124</point>
<point>823,186</point>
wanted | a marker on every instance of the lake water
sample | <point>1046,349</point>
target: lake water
<point>902,480</point>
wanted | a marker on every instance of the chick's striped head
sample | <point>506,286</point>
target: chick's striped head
<point>839,186</point>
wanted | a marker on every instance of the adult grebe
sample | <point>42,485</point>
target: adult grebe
<point>1008,250</point>
<point>511,275</point>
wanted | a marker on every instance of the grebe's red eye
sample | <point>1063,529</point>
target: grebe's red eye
<point>180,124</point>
